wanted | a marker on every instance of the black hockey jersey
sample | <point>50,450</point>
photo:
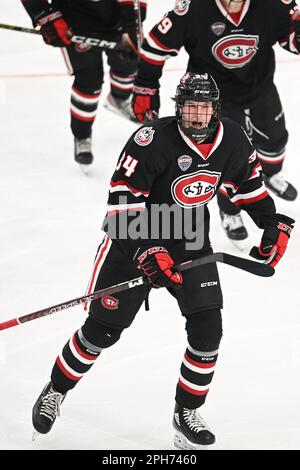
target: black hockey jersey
<point>95,18</point>
<point>160,167</point>
<point>237,50</point>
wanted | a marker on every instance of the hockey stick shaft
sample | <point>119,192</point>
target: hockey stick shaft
<point>138,24</point>
<point>253,267</point>
<point>19,28</point>
<point>93,42</point>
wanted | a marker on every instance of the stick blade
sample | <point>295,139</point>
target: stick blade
<point>253,267</point>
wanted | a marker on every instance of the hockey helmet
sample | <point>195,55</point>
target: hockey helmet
<point>202,88</point>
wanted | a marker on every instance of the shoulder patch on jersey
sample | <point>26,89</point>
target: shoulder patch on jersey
<point>182,7</point>
<point>144,136</point>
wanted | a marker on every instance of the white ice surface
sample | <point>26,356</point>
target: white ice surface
<point>50,228</point>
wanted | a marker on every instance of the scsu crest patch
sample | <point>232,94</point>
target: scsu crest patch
<point>195,189</point>
<point>109,302</point>
<point>236,50</point>
<point>81,47</point>
<point>144,136</point>
<point>182,7</point>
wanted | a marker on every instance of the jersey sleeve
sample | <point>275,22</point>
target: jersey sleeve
<point>36,9</point>
<point>164,41</point>
<point>246,188</point>
<point>284,31</point>
<point>130,187</point>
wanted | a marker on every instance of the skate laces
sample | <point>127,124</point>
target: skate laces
<point>83,145</point>
<point>194,420</point>
<point>233,221</point>
<point>51,404</point>
<point>278,182</point>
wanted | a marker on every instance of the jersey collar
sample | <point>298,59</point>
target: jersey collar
<point>197,148</point>
<point>229,17</point>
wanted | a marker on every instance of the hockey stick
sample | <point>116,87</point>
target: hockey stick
<point>138,24</point>
<point>93,42</point>
<point>253,267</point>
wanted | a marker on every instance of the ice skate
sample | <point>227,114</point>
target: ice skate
<point>191,431</point>
<point>46,410</point>
<point>235,229</point>
<point>119,106</point>
<point>282,188</point>
<point>83,153</point>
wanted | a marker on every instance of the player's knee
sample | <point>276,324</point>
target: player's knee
<point>88,80</point>
<point>100,335</point>
<point>204,330</point>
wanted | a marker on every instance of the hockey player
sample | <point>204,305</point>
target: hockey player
<point>233,40</point>
<point>110,20</point>
<point>179,162</point>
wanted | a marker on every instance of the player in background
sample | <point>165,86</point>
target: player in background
<point>233,40</point>
<point>161,164</point>
<point>110,20</point>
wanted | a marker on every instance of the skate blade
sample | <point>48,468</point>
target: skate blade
<point>35,435</point>
<point>84,169</point>
<point>116,111</point>
<point>241,245</point>
<point>182,443</point>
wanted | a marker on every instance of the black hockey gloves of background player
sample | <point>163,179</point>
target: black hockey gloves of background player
<point>274,240</point>
<point>145,101</point>
<point>295,15</point>
<point>54,29</point>
<point>157,264</point>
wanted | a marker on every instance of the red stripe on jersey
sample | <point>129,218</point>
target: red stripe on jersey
<point>65,372</point>
<point>255,171</point>
<point>114,212</point>
<point>191,390</point>
<point>131,2</point>
<point>271,160</point>
<point>152,61</point>
<point>201,365</point>
<point>251,200</point>
<point>85,95</point>
<point>102,251</point>
<point>81,118</point>
<point>223,191</point>
<point>131,188</point>
<point>235,187</point>
<point>162,46</point>
<point>81,353</point>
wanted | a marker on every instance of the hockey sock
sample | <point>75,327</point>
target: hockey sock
<point>83,111</point>
<point>196,373</point>
<point>121,86</point>
<point>77,357</point>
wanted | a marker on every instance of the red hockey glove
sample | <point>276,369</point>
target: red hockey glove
<point>296,26</point>
<point>55,30</point>
<point>274,240</point>
<point>145,103</point>
<point>157,265</point>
